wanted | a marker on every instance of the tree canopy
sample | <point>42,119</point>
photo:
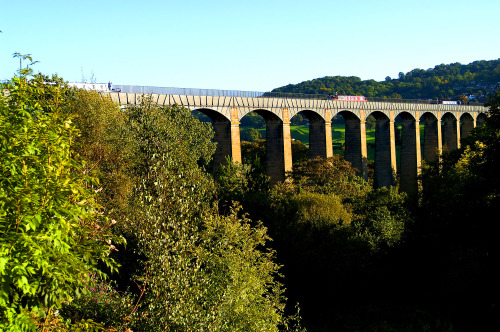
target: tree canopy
<point>441,82</point>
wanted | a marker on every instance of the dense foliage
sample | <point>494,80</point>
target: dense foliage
<point>457,221</point>
<point>196,269</point>
<point>73,165</point>
<point>79,175</point>
<point>52,230</point>
<point>441,82</point>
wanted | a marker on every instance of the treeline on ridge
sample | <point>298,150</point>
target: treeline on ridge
<point>444,81</point>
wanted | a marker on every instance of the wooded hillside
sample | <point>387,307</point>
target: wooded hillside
<point>451,81</point>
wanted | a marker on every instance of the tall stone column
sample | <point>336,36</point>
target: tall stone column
<point>235,136</point>
<point>410,156</point>
<point>432,141</point>
<point>317,138</point>
<point>457,129</point>
<point>227,137</point>
<point>355,143</point>
<point>278,148</point>
<point>440,134</point>
<point>467,124</point>
<point>385,152</point>
<point>450,134</point>
<point>394,162</point>
<point>328,134</point>
<point>287,141</point>
<point>223,134</point>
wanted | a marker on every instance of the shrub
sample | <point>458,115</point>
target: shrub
<point>52,230</point>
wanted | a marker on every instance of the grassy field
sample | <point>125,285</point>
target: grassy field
<point>301,133</point>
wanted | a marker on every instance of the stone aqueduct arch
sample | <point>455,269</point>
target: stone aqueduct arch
<point>444,126</point>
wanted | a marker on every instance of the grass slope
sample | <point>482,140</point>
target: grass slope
<point>301,133</point>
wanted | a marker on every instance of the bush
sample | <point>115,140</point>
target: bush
<point>382,217</point>
<point>201,271</point>
<point>52,229</point>
<point>330,176</point>
<point>103,304</point>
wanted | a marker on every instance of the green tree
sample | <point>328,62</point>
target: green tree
<point>330,176</point>
<point>460,196</point>
<point>250,134</point>
<point>381,219</point>
<point>253,120</point>
<point>202,270</point>
<point>52,230</point>
<point>107,145</point>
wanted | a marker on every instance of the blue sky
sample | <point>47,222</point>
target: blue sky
<point>243,45</point>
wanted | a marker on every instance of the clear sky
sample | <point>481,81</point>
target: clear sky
<point>253,45</point>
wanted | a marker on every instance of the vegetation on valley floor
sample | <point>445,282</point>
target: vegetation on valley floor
<point>113,220</point>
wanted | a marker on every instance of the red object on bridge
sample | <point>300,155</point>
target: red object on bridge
<point>351,98</point>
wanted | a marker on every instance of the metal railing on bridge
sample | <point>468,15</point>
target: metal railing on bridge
<point>257,94</point>
<point>186,91</point>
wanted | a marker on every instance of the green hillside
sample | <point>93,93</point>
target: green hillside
<point>452,81</point>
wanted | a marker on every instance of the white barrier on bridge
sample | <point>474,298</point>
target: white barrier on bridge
<point>102,87</point>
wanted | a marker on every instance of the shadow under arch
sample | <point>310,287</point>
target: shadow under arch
<point>320,136</point>
<point>466,125</point>
<point>410,155</point>
<point>450,131</point>
<point>355,142</point>
<point>228,144</point>
<point>385,151</point>
<point>431,145</point>
<point>481,119</point>
<point>278,151</point>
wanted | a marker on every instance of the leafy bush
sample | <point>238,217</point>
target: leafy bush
<point>52,229</point>
<point>201,271</point>
<point>103,304</point>
<point>381,218</point>
<point>330,176</point>
<point>319,210</point>
<point>250,134</point>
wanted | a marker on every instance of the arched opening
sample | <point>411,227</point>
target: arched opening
<point>253,140</point>
<point>450,132</point>
<point>301,137</point>
<point>228,145</point>
<point>269,146</point>
<point>481,119</point>
<point>314,132</point>
<point>385,154</point>
<point>431,147</point>
<point>466,125</point>
<point>349,134</point>
<point>408,137</point>
<point>338,133</point>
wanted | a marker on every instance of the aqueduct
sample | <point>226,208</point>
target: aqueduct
<point>444,126</point>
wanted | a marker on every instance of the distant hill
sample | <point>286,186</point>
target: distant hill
<point>452,81</point>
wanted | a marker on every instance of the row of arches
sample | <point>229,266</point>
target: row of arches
<point>440,132</point>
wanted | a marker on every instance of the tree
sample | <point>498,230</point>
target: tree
<point>461,193</point>
<point>297,120</point>
<point>201,270</point>
<point>24,72</point>
<point>52,231</point>
<point>250,135</point>
<point>381,218</point>
<point>329,176</point>
<point>253,120</point>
